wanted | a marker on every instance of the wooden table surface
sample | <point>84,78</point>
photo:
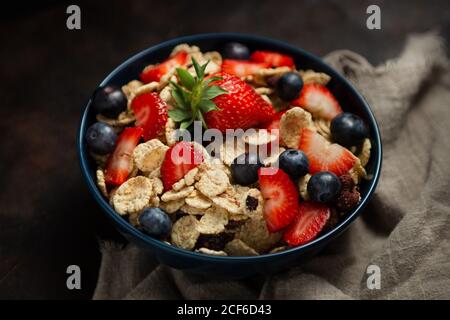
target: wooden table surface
<point>48,220</point>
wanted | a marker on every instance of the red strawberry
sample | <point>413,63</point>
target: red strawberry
<point>274,125</point>
<point>323,155</point>
<point>242,68</point>
<point>318,100</point>
<point>281,198</point>
<point>310,220</point>
<point>155,72</point>
<point>179,160</point>
<point>151,114</point>
<point>274,59</point>
<point>120,162</point>
<point>241,107</point>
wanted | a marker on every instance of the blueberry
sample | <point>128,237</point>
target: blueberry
<point>289,86</point>
<point>109,101</point>
<point>244,168</point>
<point>294,163</point>
<point>236,50</point>
<point>155,222</point>
<point>324,186</point>
<point>348,129</point>
<point>101,138</point>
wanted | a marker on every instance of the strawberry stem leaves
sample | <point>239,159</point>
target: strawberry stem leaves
<point>193,96</point>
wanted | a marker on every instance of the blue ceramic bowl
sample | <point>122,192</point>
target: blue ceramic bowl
<point>233,267</point>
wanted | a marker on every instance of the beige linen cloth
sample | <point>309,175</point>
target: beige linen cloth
<point>405,229</point>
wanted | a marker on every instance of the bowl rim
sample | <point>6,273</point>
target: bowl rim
<point>334,232</point>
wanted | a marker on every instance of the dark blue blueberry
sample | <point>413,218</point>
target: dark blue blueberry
<point>109,101</point>
<point>323,186</point>
<point>294,163</point>
<point>289,86</point>
<point>155,222</point>
<point>101,138</point>
<point>348,129</point>
<point>236,50</point>
<point>244,168</point>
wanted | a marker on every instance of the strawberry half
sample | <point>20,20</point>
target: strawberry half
<point>151,114</point>
<point>318,100</point>
<point>240,108</point>
<point>242,68</point>
<point>274,59</point>
<point>281,198</point>
<point>323,155</point>
<point>179,160</point>
<point>155,72</point>
<point>120,162</point>
<point>311,219</point>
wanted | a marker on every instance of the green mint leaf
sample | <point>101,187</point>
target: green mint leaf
<point>179,115</point>
<point>212,92</point>
<point>186,79</point>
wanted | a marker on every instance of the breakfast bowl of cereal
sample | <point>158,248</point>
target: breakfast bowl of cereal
<point>229,154</point>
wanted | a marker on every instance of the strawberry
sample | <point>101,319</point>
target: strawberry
<point>151,114</point>
<point>120,162</point>
<point>155,72</point>
<point>242,68</point>
<point>241,107</point>
<point>281,198</point>
<point>274,59</point>
<point>179,160</point>
<point>323,155</point>
<point>274,125</point>
<point>311,218</point>
<point>318,100</point>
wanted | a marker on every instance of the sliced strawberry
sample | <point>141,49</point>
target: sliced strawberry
<point>310,220</point>
<point>120,162</point>
<point>242,68</point>
<point>273,126</point>
<point>274,59</point>
<point>318,100</point>
<point>281,198</point>
<point>151,114</point>
<point>323,155</point>
<point>179,160</point>
<point>240,108</point>
<point>155,72</point>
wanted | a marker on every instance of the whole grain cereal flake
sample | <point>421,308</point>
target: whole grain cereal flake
<point>133,195</point>
<point>101,184</point>
<point>192,210</point>
<point>213,222</point>
<point>197,200</point>
<point>172,206</point>
<point>176,195</point>
<point>237,247</point>
<point>254,233</point>
<point>291,125</point>
<point>185,232</point>
<point>211,252</point>
<point>213,182</point>
<point>149,155</point>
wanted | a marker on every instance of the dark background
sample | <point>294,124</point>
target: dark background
<point>48,220</point>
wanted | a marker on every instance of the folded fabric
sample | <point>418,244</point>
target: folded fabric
<point>405,229</point>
